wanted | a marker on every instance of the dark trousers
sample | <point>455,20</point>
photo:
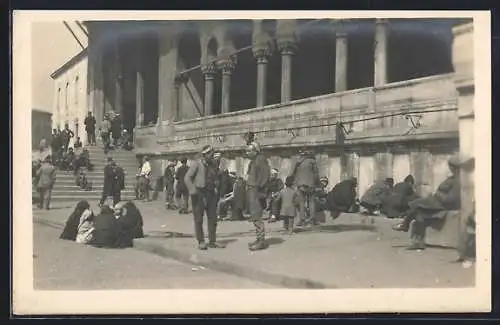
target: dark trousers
<point>105,141</point>
<point>204,201</point>
<point>116,197</point>
<point>45,196</point>
<point>169,195</point>
<point>256,202</point>
<point>91,137</point>
<point>288,222</point>
<point>307,204</point>
<point>182,197</point>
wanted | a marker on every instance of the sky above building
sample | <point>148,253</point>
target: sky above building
<point>52,45</point>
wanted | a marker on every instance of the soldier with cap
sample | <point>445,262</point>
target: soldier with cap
<point>423,210</point>
<point>258,175</point>
<point>200,180</point>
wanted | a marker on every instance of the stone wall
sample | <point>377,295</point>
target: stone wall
<point>375,149</point>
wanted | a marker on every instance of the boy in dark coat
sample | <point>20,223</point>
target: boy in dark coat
<point>288,199</point>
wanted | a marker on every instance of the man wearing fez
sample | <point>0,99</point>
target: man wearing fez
<point>201,180</point>
<point>258,175</point>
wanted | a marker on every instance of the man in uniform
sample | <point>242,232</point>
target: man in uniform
<point>46,176</point>
<point>258,176</point>
<point>201,181</point>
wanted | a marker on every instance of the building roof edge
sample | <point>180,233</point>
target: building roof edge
<point>68,64</point>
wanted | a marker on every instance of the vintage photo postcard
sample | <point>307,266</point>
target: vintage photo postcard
<point>251,162</point>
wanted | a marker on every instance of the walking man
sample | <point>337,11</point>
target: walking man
<point>145,175</point>
<point>46,176</point>
<point>200,180</point>
<point>90,123</point>
<point>258,176</point>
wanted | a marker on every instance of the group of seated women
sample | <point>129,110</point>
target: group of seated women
<point>111,228</point>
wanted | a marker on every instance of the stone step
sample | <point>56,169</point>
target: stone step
<point>96,187</point>
<point>80,193</point>
<point>95,197</point>
<point>95,177</point>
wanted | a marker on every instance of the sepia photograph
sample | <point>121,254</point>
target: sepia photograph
<point>251,162</point>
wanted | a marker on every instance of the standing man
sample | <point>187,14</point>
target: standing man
<point>258,177</point>
<point>169,180</point>
<point>90,123</point>
<point>200,180</point>
<point>305,173</point>
<point>145,176</point>
<point>46,176</point>
<point>467,237</point>
<point>112,183</point>
<point>66,136</point>
<point>105,132</point>
<point>182,193</point>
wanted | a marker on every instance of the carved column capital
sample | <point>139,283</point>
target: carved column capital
<point>262,53</point>
<point>287,46</point>
<point>209,70</point>
<point>227,66</point>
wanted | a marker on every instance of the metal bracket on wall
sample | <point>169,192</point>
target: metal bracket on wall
<point>293,133</point>
<point>415,121</point>
<point>220,138</point>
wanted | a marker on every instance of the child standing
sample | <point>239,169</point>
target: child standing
<point>288,198</point>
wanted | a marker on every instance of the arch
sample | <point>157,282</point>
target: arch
<point>66,96</point>
<point>77,79</point>
<point>189,55</point>
<point>212,48</point>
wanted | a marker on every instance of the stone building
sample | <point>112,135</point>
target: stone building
<point>70,95</point>
<point>180,85</point>
<point>40,127</point>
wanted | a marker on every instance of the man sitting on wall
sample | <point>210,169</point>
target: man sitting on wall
<point>372,200</point>
<point>423,211</point>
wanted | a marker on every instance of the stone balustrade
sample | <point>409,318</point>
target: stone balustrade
<point>305,122</point>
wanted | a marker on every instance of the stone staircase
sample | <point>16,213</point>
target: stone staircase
<point>65,188</point>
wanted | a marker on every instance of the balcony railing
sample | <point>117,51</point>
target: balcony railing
<point>310,121</point>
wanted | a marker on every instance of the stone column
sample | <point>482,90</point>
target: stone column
<point>99,88</point>
<point>287,50</point>
<point>139,87</point>
<point>261,55</point>
<point>463,63</point>
<point>226,67</point>
<point>287,44</point>
<point>209,72</point>
<point>381,39</point>
<point>118,75</point>
<point>167,69</point>
<point>341,60</point>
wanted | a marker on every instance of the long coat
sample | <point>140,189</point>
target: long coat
<point>376,193</point>
<point>396,203</point>
<point>305,171</point>
<point>342,196</point>
<point>447,197</point>
<point>109,180</point>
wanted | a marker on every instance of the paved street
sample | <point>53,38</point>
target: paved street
<point>345,253</point>
<point>64,265</point>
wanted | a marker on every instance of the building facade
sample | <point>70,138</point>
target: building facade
<point>70,95</point>
<point>181,85</point>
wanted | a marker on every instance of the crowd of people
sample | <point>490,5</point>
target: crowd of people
<point>113,134</point>
<point>300,201</point>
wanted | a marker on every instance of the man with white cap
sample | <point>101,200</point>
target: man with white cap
<point>201,181</point>
<point>422,210</point>
<point>258,174</point>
